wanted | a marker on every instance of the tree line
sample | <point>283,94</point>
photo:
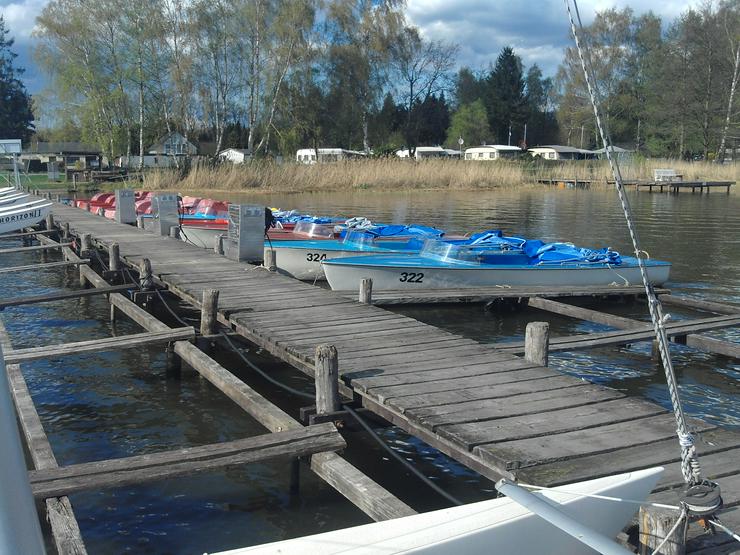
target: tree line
<point>277,75</point>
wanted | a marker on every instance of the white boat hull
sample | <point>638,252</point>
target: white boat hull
<point>203,237</point>
<point>498,526</point>
<point>348,277</point>
<point>17,217</point>
<point>305,263</point>
<point>10,200</point>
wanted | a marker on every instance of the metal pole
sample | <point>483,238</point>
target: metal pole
<point>20,531</point>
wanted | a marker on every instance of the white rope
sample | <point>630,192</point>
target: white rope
<point>670,533</point>
<point>725,529</point>
<point>689,463</point>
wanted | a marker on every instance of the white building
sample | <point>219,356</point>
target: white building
<point>492,152</point>
<point>308,155</point>
<point>173,144</point>
<point>423,152</point>
<point>559,152</point>
<point>235,155</point>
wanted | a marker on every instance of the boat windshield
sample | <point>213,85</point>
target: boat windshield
<point>359,238</point>
<point>447,252</point>
<point>311,229</point>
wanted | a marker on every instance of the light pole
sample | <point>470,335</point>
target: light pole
<point>461,142</point>
<point>509,143</point>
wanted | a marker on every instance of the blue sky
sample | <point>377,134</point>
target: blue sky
<point>536,29</point>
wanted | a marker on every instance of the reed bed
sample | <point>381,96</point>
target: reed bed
<point>397,174</point>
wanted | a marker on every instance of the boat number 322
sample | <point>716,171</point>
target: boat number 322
<point>315,257</point>
<point>411,277</point>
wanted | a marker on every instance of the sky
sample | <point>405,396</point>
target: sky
<point>536,29</point>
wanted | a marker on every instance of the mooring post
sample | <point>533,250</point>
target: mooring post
<point>327,379</point>
<point>218,244</point>
<point>58,198</point>
<point>270,260</point>
<point>140,222</point>
<point>537,342</point>
<point>366,291</point>
<point>654,527</point>
<point>208,308</point>
<point>175,231</point>
<point>174,364</point>
<point>85,245</point>
<point>50,221</point>
<point>101,211</point>
<point>114,259</point>
<point>65,231</point>
<point>146,281</point>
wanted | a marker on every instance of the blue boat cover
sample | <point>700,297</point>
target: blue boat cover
<point>554,253</point>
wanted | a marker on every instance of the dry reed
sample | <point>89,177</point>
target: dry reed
<point>398,174</point>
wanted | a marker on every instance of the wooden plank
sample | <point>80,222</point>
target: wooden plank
<point>44,266</point>
<point>529,403</point>
<point>551,422</point>
<point>661,452</point>
<point>34,248</point>
<point>184,462</point>
<point>700,304</point>
<point>595,340</point>
<point>97,345</point>
<point>603,439</point>
<point>584,313</point>
<point>62,296</point>
<point>712,345</point>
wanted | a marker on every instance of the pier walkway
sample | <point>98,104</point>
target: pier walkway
<point>489,409</point>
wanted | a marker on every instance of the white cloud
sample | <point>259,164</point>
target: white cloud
<point>537,30</point>
<point>20,17</point>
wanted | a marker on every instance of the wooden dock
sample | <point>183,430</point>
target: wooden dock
<point>677,186</point>
<point>487,408</point>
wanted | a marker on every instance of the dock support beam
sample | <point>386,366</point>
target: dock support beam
<point>208,315</point>
<point>537,343</point>
<point>366,291</point>
<point>270,260</point>
<point>654,527</point>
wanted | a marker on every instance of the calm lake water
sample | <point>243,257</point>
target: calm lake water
<point>108,405</point>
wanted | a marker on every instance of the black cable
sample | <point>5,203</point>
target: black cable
<point>356,416</point>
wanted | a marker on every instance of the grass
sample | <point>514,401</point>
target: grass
<point>397,174</point>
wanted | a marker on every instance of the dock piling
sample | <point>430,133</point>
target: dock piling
<point>208,314</point>
<point>327,379</point>
<point>366,291</point>
<point>270,260</point>
<point>175,232</point>
<point>114,257</point>
<point>655,524</point>
<point>536,342</point>
<point>146,282</point>
<point>218,244</point>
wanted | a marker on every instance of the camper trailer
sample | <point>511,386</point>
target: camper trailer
<point>492,152</point>
<point>309,155</point>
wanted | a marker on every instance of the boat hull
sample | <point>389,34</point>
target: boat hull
<point>495,526</point>
<point>347,277</point>
<point>11,200</point>
<point>15,218</point>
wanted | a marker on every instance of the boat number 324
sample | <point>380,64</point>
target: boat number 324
<point>315,257</point>
<point>411,277</point>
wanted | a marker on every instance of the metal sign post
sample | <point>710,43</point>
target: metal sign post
<point>166,212</point>
<point>125,209</point>
<point>12,146</point>
<point>246,236</point>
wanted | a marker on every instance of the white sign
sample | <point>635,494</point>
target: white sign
<point>10,146</point>
<point>460,141</point>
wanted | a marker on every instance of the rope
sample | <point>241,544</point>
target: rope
<point>356,416</point>
<point>681,519</point>
<point>690,467</point>
<point>725,529</point>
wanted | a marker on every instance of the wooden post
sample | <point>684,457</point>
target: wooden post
<point>140,222</point>
<point>49,221</point>
<point>208,309</point>
<point>74,181</point>
<point>114,259</point>
<point>327,379</point>
<point>112,314</point>
<point>174,364</point>
<point>655,525</point>
<point>101,211</point>
<point>537,342</point>
<point>65,232</point>
<point>175,232</point>
<point>270,260</point>
<point>146,281</point>
<point>366,291</point>
<point>58,198</point>
<point>218,245</point>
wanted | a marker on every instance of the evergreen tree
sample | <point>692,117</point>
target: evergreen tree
<point>16,116</point>
<point>468,88</point>
<point>505,101</point>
